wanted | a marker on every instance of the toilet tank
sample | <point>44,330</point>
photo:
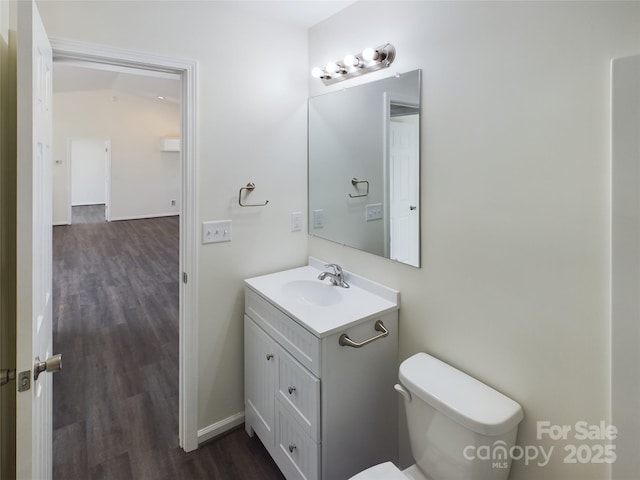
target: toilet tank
<point>459,428</point>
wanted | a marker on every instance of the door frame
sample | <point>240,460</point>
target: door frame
<point>188,311</point>
<point>107,180</point>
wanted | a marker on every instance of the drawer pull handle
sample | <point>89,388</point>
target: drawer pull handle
<point>292,447</point>
<point>345,341</point>
<point>269,356</point>
<point>291,390</point>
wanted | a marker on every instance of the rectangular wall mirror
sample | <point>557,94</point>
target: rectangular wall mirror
<point>364,167</point>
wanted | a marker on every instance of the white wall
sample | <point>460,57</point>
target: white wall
<point>514,284</point>
<point>144,179</point>
<point>252,127</point>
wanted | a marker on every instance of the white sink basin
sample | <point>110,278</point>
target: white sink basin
<point>317,305</point>
<point>310,292</point>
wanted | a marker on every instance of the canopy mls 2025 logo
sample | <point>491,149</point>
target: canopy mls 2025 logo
<point>586,448</point>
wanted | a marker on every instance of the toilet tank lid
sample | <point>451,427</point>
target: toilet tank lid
<point>461,397</point>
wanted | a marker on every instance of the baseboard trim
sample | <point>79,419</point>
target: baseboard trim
<point>218,428</point>
<point>140,217</point>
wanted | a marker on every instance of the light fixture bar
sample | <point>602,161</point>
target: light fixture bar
<point>369,60</point>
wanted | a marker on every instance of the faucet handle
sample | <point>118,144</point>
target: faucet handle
<point>337,269</point>
<point>337,277</point>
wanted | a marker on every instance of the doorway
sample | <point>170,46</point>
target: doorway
<point>89,160</point>
<point>186,69</point>
<point>116,287</point>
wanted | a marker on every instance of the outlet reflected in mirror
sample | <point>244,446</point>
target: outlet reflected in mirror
<point>364,167</point>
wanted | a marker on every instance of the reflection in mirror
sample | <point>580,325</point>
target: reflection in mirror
<point>364,167</point>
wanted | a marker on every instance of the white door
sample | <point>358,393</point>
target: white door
<point>403,194</point>
<point>88,171</point>
<point>34,231</point>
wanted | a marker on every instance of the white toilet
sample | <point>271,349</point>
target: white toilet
<point>450,415</point>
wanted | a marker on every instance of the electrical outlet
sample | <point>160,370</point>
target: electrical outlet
<point>373,212</point>
<point>214,232</point>
<point>296,221</point>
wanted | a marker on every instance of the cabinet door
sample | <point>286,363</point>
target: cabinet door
<point>261,369</point>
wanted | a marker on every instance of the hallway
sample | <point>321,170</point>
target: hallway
<point>116,325</point>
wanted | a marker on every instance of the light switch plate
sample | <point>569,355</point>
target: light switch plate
<point>373,212</point>
<point>318,218</point>
<point>296,221</point>
<point>214,232</point>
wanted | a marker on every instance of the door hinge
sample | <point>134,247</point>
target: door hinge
<point>184,277</point>
<point>6,376</point>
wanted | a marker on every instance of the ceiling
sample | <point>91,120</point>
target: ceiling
<point>300,13</point>
<point>72,76</point>
<point>81,76</point>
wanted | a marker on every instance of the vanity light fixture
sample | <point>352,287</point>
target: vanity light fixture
<point>369,60</point>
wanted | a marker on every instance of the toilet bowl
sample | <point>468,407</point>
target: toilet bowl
<point>450,415</point>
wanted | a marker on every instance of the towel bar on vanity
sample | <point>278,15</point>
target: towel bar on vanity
<point>345,341</point>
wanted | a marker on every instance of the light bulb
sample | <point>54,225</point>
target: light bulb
<point>331,67</point>
<point>369,54</point>
<point>351,61</point>
<point>317,72</point>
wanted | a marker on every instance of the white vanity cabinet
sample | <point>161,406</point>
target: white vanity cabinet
<point>322,410</point>
<point>287,422</point>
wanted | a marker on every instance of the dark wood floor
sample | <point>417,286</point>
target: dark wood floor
<point>116,325</point>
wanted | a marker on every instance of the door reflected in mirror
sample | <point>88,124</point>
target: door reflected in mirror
<point>364,167</point>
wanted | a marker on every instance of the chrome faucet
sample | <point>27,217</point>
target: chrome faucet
<point>336,277</point>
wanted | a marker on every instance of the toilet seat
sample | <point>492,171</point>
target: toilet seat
<point>384,471</point>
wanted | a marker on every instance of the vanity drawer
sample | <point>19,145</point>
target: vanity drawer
<point>299,342</point>
<point>298,455</point>
<point>299,394</point>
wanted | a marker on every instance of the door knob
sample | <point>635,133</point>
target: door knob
<point>51,364</point>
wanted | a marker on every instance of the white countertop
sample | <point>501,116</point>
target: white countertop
<point>361,301</point>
